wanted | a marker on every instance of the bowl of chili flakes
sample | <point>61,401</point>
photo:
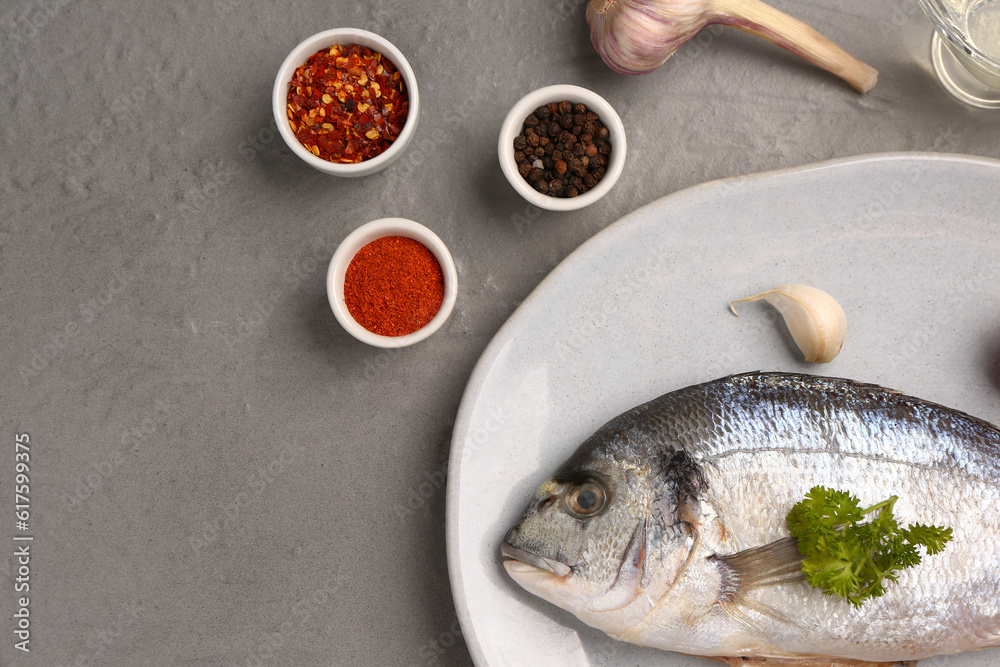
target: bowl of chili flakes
<point>346,102</point>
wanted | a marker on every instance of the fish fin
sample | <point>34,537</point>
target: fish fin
<point>810,661</point>
<point>776,563</point>
<point>733,610</point>
<point>770,565</point>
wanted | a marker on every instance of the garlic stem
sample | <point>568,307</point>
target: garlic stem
<point>791,34</point>
<point>637,36</point>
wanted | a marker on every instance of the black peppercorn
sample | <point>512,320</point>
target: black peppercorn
<point>562,149</point>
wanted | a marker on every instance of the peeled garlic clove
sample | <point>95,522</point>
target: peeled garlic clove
<point>637,36</point>
<point>813,317</point>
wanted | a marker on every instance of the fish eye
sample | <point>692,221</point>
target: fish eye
<point>585,500</point>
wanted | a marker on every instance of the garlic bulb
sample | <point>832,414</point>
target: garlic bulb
<point>813,317</point>
<point>637,36</point>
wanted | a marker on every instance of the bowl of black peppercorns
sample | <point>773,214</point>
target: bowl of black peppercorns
<point>562,147</point>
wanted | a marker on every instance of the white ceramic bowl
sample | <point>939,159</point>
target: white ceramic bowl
<point>514,122</point>
<point>361,237</point>
<point>300,54</point>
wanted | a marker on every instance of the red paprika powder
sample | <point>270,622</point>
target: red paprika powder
<point>393,286</point>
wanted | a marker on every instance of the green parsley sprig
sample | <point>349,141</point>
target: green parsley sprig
<point>851,559</point>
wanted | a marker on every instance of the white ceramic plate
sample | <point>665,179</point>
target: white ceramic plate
<point>908,243</point>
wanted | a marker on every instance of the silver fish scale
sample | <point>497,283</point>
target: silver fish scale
<point>757,412</point>
<point>763,440</point>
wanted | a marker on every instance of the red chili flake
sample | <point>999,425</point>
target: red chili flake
<point>346,93</point>
<point>393,286</point>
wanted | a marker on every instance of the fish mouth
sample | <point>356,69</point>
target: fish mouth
<point>531,560</point>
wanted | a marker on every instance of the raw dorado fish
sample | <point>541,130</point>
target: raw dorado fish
<point>667,527</point>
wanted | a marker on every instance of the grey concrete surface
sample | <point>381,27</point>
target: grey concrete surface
<point>219,474</point>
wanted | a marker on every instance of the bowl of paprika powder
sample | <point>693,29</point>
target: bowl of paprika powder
<point>346,102</point>
<point>392,283</point>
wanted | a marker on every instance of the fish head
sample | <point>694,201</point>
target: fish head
<point>603,538</point>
